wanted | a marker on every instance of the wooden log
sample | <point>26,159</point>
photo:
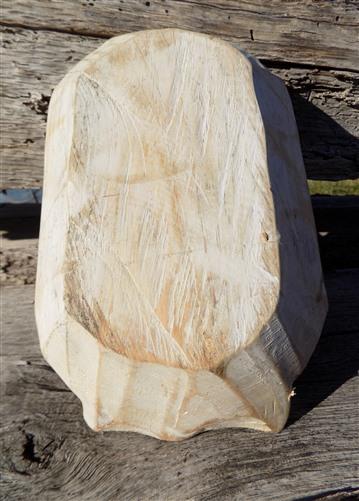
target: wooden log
<point>47,453</point>
<point>34,62</point>
<point>317,33</point>
<point>186,264</point>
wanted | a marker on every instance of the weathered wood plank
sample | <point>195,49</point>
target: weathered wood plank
<point>326,109</point>
<point>49,453</point>
<point>18,264</point>
<point>316,33</point>
<point>34,62</point>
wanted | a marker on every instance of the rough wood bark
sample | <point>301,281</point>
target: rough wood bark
<point>49,453</point>
<point>315,33</point>
<point>34,62</point>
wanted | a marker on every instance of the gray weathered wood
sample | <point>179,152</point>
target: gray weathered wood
<point>34,62</point>
<point>18,263</point>
<point>49,453</point>
<point>315,33</point>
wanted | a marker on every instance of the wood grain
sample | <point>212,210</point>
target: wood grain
<point>172,170</point>
<point>18,264</point>
<point>49,453</point>
<point>35,61</point>
<point>336,221</point>
<point>315,33</point>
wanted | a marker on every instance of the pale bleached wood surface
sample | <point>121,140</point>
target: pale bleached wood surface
<point>175,179</point>
<point>308,44</point>
<point>48,453</point>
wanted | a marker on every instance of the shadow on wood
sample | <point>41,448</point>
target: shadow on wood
<point>20,221</point>
<point>318,380</point>
<point>329,151</point>
<point>336,219</point>
<point>335,359</point>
